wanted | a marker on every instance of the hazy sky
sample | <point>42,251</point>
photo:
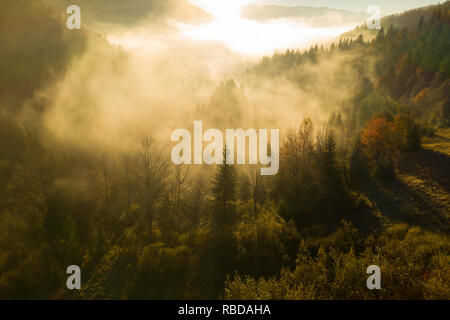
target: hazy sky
<point>253,37</point>
<point>387,6</point>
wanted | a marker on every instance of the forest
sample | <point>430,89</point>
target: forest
<point>364,176</point>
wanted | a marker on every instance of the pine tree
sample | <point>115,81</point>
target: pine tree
<point>329,153</point>
<point>358,164</point>
<point>224,191</point>
<point>224,252</point>
<point>380,35</point>
<point>421,23</point>
<point>334,182</point>
<point>244,187</point>
<point>334,187</point>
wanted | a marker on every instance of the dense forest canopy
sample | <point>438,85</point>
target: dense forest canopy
<point>86,180</point>
<point>131,12</point>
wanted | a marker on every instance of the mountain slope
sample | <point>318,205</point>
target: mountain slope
<point>407,19</point>
<point>319,17</point>
<point>132,11</point>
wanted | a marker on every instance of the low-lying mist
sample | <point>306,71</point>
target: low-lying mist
<point>151,80</point>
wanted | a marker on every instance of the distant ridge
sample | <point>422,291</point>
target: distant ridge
<point>317,17</point>
<point>406,19</point>
<point>129,12</point>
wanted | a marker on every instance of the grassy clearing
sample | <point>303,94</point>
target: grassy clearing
<point>439,142</point>
<point>420,194</point>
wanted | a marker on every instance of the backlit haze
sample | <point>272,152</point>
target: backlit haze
<point>240,35</point>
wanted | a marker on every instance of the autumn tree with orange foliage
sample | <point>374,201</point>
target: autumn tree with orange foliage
<point>378,144</point>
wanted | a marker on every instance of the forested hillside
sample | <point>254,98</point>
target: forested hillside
<point>369,186</point>
<point>132,12</point>
<point>408,19</point>
<point>376,169</point>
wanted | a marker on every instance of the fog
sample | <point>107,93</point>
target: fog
<point>151,80</point>
<point>255,38</point>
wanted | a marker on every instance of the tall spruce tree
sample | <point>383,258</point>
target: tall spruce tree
<point>224,190</point>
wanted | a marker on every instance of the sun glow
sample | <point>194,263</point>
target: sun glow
<point>241,36</point>
<point>252,37</point>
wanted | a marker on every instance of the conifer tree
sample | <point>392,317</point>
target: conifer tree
<point>224,190</point>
